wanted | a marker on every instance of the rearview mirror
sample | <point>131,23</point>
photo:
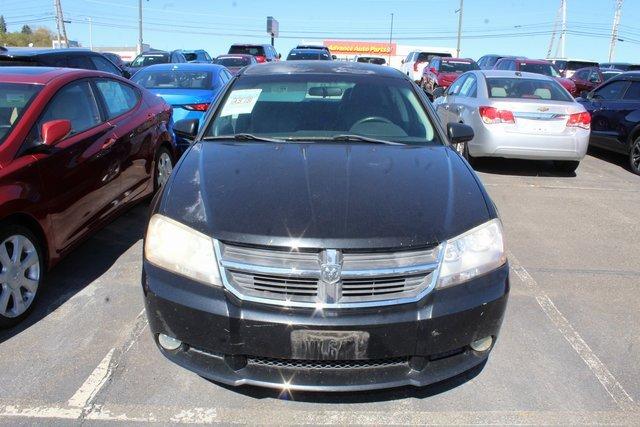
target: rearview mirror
<point>186,128</point>
<point>459,133</point>
<point>54,131</point>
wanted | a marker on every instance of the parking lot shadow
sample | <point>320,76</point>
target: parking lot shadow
<point>85,264</point>
<point>517,167</point>
<point>362,396</point>
<point>610,157</point>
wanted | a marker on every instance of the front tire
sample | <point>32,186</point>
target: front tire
<point>163,169</point>
<point>22,273</point>
<point>566,166</point>
<point>634,157</point>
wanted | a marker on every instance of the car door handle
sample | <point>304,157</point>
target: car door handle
<point>109,142</point>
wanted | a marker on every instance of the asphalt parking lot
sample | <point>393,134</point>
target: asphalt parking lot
<point>567,353</point>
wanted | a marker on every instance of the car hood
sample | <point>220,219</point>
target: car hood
<point>342,196</point>
<point>175,97</point>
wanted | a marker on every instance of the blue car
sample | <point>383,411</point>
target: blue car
<point>188,88</point>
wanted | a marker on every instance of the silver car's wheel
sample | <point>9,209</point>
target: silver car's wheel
<point>164,168</point>
<point>634,157</point>
<point>20,275</point>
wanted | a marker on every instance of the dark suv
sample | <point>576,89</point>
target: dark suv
<point>322,233</point>
<point>615,116</point>
<point>64,58</point>
<point>262,52</point>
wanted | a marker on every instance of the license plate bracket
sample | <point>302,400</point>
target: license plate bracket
<point>329,345</point>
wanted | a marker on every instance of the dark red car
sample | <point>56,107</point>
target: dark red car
<point>586,79</point>
<point>537,66</point>
<point>77,147</point>
<point>441,72</point>
<point>235,62</point>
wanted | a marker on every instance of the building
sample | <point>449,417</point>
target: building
<point>393,53</point>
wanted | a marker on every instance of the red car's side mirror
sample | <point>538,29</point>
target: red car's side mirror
<point>54,131</point>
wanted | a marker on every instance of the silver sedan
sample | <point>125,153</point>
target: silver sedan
<point>517,115</point>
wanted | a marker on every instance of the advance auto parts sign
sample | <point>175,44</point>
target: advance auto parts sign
<point>346,47</point>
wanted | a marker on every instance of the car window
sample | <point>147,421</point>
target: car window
<point>174,79</point>
<point>633,93</point>
<point>234,61</point>
<point>454,89</point>
<point>491,61</point>
<point>582,75</point>
<point>320,107</point>
<point>74,102</point>
<point>576,65</point>
<point>103,64</point>
<point>53,60</point>
<point>145,60</point>
<point>468,87</point>
<point>611,91</point>
<point>525,88</point>
<point>502,65</point>
<point>80,61</point>
<point>118,97</point>
<point>539,68</point>
<point>511,66</point>
<point>594,76</point>
<point>453,66</point>
<point>14,99</point>
<point>247,50</point>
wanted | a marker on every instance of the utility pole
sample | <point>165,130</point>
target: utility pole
<point>390,38</point>
<point>459,27</point>
<point>614,29</point>
<point>90,19</point>
<point>139,27</point>
<point>556,23</point>
<point>58,20</point>
<point>60,24</point>
<point>563,33</point>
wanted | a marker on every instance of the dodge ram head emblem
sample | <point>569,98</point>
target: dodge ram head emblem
<point>329,285</point>
<point>330,266</point>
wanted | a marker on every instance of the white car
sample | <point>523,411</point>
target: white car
<point>517,115</point>
<point>416,60</point>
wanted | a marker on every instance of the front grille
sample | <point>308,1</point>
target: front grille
<point>328,364</point>
<point>295,278</point>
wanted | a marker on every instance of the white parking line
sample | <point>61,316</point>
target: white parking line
<point>93,383</point>
<point>601,372</point>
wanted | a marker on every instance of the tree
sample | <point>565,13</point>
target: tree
<point>26,30</point>
<point>3,25</point>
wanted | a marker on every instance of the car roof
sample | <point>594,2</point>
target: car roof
<point>516,74</point>
<point>186,66</point>
<point>530,61</point>
<point>155,52</point>
<point>572,60</point>
<point>250,44</point>
<point>321,67</point>
<point>308,50</point>
<point>42,75</point>
<point>629,75</point>
<point>27,51</point>
<point>452,59</point>
<point>235,55</point>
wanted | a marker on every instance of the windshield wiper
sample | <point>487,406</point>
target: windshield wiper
<point>350,137</point>
<point>244,137</point>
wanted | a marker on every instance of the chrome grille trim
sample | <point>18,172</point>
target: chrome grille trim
<point>293,279</point>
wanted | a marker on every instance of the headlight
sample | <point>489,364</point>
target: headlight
<point>182,250</point>
<point>473,253</point>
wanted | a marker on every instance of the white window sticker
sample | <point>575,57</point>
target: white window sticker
<point>241,102</point>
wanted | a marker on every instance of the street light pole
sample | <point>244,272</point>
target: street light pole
<point>459,27</point>
<point>390,38</point>
<point>139,27</point>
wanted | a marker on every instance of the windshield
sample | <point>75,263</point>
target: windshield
<point>608,74</point>
<point>175,79</point>
<point>150,59</point>
<point>457,66</point>
<point>297,55</point>
<point>235,61</point>
<point>576,65</point>
<point>426,56</point>
<point>539,68</point>
<point>195,56</point>
<point>506,87</point>
<point>14,98</point>
<point>247,50</point>
<point>321,107</point>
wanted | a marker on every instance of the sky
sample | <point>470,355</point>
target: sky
<point>517,27</point>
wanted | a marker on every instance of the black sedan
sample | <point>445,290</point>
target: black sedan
<point>615,116</point>
<point>322,234</point>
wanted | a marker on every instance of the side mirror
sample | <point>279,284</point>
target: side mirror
<point>459,133</point>
<point>126,74</point>
<point>279,56</point>
<point>402,61</point>
<point>186,128</point>
<point>54,131</point>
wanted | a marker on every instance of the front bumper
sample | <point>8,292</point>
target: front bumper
<point>236,342</point>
